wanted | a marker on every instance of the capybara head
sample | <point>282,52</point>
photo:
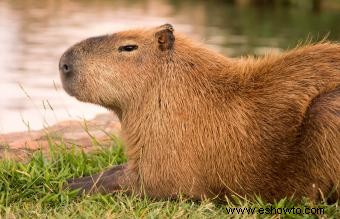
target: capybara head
<point>103,69</point>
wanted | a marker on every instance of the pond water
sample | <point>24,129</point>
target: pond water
<point>34,33</point>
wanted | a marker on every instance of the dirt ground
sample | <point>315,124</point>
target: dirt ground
<point>87,135</point>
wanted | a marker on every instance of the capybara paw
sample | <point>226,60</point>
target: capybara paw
<point>75,184</point>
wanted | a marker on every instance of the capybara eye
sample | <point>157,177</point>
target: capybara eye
<point>127,48</point>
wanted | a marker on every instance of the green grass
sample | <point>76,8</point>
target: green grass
<point>34,189</point>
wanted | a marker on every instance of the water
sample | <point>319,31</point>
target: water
<point>33,35</point>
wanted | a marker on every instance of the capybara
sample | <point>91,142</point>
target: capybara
<point>201,125</point>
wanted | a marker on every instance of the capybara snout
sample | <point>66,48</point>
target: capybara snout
<point>73,64</point>
<point>66,65</point>
<point>199,124</point>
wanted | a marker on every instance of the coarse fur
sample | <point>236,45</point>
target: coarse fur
<point>203,125</point>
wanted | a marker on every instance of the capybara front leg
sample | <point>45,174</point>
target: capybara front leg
<point>112,180</point>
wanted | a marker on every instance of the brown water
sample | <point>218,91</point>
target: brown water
<point>33,35</point>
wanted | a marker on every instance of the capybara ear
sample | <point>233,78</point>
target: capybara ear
<point>165,37</point>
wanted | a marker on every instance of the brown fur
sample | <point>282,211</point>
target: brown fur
<point>197,123</point>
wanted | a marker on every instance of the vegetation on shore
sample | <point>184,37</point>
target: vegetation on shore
<point>33,189</point>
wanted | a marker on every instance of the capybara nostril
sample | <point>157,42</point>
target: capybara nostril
<point>65,68</point>
<point>65,65</point>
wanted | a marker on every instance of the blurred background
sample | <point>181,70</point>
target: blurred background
<point>34,34</point>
